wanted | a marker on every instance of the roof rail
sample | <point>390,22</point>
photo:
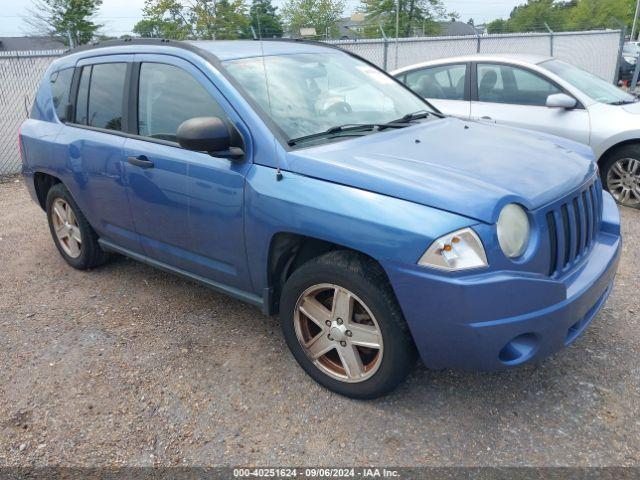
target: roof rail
<point>130,41</point>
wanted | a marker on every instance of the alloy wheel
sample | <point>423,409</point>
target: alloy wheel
<point>65,225</point>
<point>338,333</point>
<point>623,181</point>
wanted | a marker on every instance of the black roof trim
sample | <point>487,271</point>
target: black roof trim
<point>134,41</point>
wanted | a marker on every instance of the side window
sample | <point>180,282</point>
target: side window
<point>60,91</point>
<point>532,89</point>
<point>444,83</point>
<point>490,84</point>
<point>504,84</point>
<point>100,95</point>
<point>167,97</point>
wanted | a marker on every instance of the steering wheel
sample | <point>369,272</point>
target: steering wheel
<point>339,107</point>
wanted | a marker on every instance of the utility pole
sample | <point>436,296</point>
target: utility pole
<point>398,29</point>
<point>635,20</point>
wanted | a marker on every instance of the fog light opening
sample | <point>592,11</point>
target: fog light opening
<point>519,350</point>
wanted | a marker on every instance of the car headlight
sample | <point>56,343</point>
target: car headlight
<point>631,60</point>
<point>513,230</point>
<point>459,250</point>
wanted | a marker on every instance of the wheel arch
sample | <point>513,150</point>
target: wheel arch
<point>613,148</point>
<point>42,183</point>
<point>288,251</point>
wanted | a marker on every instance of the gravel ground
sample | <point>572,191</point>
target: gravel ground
<point>127,365</point>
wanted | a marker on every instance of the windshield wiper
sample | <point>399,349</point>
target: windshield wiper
<point>358,127</point>
<point>623,102</point>
<point>410,117</point>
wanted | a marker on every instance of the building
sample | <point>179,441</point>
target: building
<point>455,29</point>
<point>21,44</point>
<point>351,28</point>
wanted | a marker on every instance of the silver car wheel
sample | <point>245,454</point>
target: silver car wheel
<point>338,333</point>
<point>65,226</point>
<point>623,181</point>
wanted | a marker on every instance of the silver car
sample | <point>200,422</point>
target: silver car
<point>541,93</point>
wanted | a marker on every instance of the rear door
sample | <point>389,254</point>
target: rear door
<point>444,86</point>
<point>93,144</point>
<point>517,96</point>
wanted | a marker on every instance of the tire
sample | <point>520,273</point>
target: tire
<point>79,247</point>
<point>374,318</point>
<point>620,172</point>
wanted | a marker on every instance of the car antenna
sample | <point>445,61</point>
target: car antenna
<point>266,81</point>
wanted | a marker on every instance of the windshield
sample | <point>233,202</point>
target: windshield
<point>312,93</point>
<point>587,83</point>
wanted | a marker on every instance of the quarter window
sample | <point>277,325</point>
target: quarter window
<point>444,83</point>
<point>504,84</point>
<point>60,90</point>
<point>167,97</point>
<point>100,95</point>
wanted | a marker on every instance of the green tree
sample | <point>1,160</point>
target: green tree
<point>416,17</point>
<point>163,19</point>
<point>592,14</point>
<point>319,14</point>
<point>220,19</point>
<point>65,19</point>
<point>265,18</point>
<point>534,15</point>
<point>201,19</point>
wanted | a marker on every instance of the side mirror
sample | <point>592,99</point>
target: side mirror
<point>561,100</point>
<point>207,134</point>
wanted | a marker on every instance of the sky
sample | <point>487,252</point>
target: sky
<point>119,16</point>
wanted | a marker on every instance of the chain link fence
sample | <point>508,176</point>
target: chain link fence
<point>20,74</point>
<point>596,51</point>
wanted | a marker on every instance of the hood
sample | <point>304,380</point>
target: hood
<point>633,108</point>
<point>469,168</point>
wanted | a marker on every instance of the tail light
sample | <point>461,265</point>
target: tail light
<point>20,148</point>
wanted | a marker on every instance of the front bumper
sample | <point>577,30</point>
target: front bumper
<point>494,320</point>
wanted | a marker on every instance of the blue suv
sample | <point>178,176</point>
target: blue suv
<point>306,181</point>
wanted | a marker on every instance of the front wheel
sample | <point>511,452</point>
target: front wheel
<point>620,173</point>
<point>343,325</point>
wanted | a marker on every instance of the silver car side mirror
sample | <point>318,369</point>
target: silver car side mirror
<point>561,100</point>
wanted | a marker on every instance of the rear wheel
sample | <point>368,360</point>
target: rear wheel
<point>343,325</point>
<point>620,173</point>
<point>76,241</point>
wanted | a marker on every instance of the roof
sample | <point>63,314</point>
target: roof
<point>456,28</point>
<point>516,58</point>
<point>234,49</point>
<point>30,44</point>
<point>221,49</point>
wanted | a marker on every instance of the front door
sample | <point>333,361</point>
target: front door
<point>186,206</point>
<point>515,96</point>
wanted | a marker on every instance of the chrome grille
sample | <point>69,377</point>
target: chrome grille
<point>573,225</point>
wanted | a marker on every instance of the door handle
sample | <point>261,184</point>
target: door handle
<point>140,161</point>
<point>486,118</point>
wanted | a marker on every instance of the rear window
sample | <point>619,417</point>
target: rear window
<point>60,90</point>
<point>100,96</point>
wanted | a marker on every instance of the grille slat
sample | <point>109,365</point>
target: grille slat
<point>589,220</point>
<point>573,225</point>
<point>584,216</point>
<point>553,238</point>
<point>564,237</point>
